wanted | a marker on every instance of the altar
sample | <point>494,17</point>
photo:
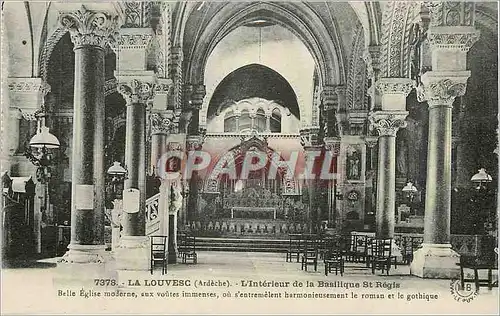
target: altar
<point>249,209</point>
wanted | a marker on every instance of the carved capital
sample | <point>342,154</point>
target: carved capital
<point>163,86</point>
<point>309,137</point>
<point>395,86</point>
<point>453,37</point>
<point>90,28</point>
<point>194,95</point>
<point>442,88</point>
<point>332,144</point>
<point>388,123</point>
<point>371,141</point>
<point>194,142</point>
<point>166,123</point>
<point>136,91</point>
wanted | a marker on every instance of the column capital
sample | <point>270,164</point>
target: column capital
<point>136,90</point>
<point>371,141</point>
<point>163,86</point>
<point>459,38</point>
<point>166,122</point>
<point>395,86</point>
<point>194,95</point>
<point>194,142</point>
<point>387,123</point>
<point>91,28</point>
<point>333,144</point>
<point>441,88</point>
<point>309,137</point>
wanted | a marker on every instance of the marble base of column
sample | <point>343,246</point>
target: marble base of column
<point>435,261</point>
<point>133,253</point>
<point>81,264</point>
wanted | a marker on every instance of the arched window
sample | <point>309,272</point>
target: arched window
<point>229,122</point>
<point>276,121</point>
<point>260,121</point>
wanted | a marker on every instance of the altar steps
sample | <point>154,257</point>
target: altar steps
<point>241,244</point>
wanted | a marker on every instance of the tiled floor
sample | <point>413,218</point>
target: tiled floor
<point>31,288</point>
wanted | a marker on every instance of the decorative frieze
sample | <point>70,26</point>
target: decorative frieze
<point>28,85</point>
<point>134,41</point>
<point>452,38</point>
<point>136,91</point>
<point>395,85</point>
<point>90,28</point>
<point>442,88</point>
<point>451,13</point>
<point>388,123</point>
<point>176,59</point>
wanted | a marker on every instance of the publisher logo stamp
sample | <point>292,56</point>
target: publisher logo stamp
<point>465,294</point>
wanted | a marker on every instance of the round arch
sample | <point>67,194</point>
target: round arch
<point>296,17</point>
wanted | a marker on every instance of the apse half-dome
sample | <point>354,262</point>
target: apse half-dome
<point>253,81</point>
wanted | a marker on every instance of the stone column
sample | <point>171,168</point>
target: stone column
<point>387,122</point>
<point>387,125</point>
<point>193,143</point>
<point>312,151</point>
<point>332,144</point>
<point>162,124</point>
<point>440,87</point>
<point>24,99</point>
<point>90,32</point>
<point>137,86</point>
<point>136,93</point>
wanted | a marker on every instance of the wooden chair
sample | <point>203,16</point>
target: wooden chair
<point>190,249</point>
<point>333,257</point>
<point>310,253</point>
<point>381,257</point>
<point>181,248</point>
<point>477,264</point>
<point>159,252</point>
<point>293,250</point>
<point>361,248</point>
<point>350,242</point>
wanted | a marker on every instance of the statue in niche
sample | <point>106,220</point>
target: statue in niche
<point>353,164</point>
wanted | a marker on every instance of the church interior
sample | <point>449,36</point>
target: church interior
<point>401,97</point>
